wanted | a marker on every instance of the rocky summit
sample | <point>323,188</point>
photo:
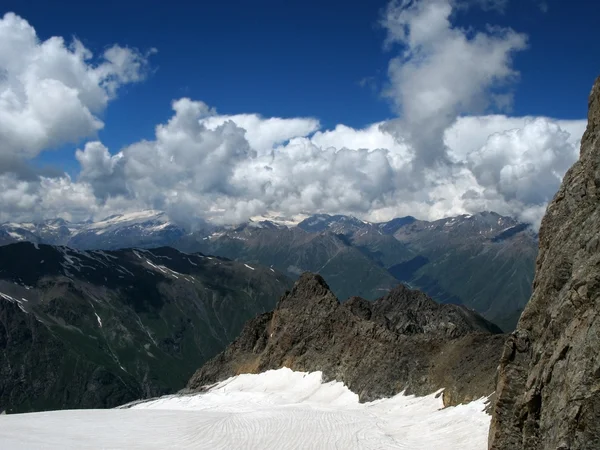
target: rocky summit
<point>403,341</point>
<point>549,379</point>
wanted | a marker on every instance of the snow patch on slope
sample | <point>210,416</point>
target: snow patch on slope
<point>130,218</point>
<point>277,409</point>
<point>280,219</point>
<point>15,235</point>
<point>14,300</point>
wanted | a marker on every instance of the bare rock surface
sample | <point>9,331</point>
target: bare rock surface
<point>403,341</point>
<point>548,391</point>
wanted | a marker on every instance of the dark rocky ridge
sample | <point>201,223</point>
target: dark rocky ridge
<point>549,378</point>
<point>403,341</point>
<point>90,329</point>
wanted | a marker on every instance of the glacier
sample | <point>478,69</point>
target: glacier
<point>278,409</point>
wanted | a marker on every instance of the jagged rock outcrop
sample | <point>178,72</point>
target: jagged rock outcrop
<point>403,341</point>
<point>548,392</point>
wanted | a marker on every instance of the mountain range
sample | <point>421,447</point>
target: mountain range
<point>483,261</point>
<point>144,229</point>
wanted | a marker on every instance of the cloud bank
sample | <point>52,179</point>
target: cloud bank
<point>444,154</point>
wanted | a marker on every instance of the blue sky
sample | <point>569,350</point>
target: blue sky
<point>437,152</point>
<point>303,58</point>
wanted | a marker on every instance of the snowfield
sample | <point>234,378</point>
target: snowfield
<point>278,409</point>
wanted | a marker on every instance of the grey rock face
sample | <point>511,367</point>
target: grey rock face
<point>548,392</point>
<point>403,341</point>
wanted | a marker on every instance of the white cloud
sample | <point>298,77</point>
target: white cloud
<point>185,162</point>
<point>192,171</point>
<point>443,71</point>
<point>215,169</point>
<point>470,133</point>
<point>434,161</point>
<point>45,198</point>
<point>510,165</point>
<point>96,162</point>
<point>525,164</point>
<point>52,93</point>
<point>263,134</point>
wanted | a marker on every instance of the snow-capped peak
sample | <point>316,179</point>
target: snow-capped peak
<point>131,219</point>
<point>278,219</point>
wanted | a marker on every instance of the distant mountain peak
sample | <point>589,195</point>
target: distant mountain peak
<point>147,228</point>
<point>287,221</point>
<point>337,223</point>
<point>135,216</point>
<point>268,224</point>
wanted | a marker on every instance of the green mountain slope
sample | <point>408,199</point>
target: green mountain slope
<point>97,329</point>
<point>485,262</point>
<point>293,251</point>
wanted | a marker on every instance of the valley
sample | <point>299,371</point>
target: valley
<point>96,329</point>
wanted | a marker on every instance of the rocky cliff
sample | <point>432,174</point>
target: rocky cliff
<point>402,341</point>
<point>549,380</point>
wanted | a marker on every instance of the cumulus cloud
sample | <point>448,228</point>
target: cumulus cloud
<point>193,171</point>
<point>524,164</point>
<point>206,162</point>
<point>51,92</point>
<point>263,134</point>
<point>470,133</point>
<point>434,161</point>
<point>186,162</point>
<point>510,165</point>
<point>443,71</point>
<point>44,197</point>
